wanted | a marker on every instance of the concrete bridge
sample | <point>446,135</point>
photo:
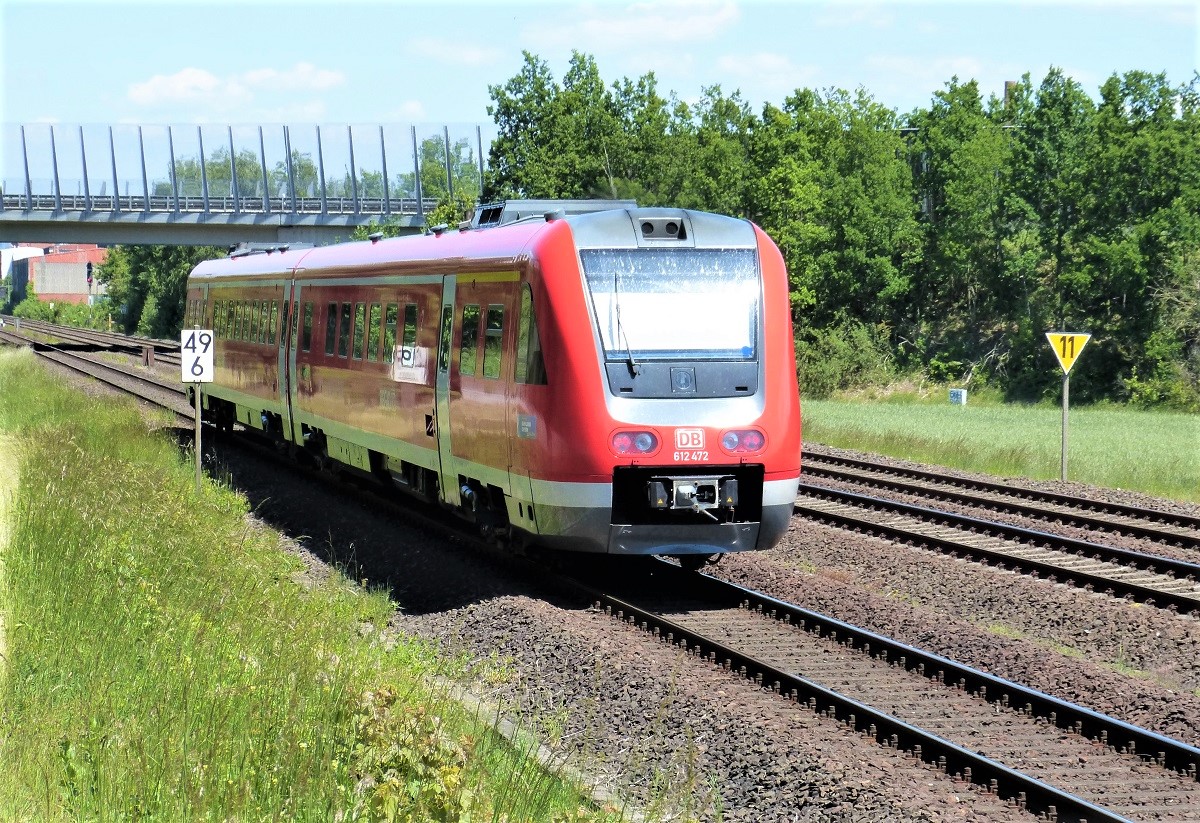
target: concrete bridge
<point>269,184</point>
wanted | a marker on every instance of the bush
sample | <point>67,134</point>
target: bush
<point>845,357</point>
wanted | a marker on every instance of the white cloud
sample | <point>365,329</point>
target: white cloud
<point>774,76</point>
<point>455,54</point>
<point>300,77</point>
<point>207,95</point>
<point>187,85</point>
<point>593,27</point>
<point>856,16</point>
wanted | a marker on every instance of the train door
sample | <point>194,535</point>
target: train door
<point>448,473</point>
<point>287,358</point>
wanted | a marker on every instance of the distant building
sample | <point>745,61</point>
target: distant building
<point>54,272</point>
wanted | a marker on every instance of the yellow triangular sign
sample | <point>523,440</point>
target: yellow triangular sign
<point>1067,346</point>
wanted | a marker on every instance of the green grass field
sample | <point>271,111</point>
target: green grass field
<point>166,659</point>
<point>1153,452</point>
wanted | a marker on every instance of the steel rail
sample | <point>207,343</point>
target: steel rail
<point>1067,500</point>
<point>886,729</point>
<point>1180,569</point>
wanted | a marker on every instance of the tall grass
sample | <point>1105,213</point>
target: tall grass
<point>1157,453</point>
<point>167,660</point>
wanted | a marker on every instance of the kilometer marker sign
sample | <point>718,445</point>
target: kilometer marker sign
<point>196,366</point>
<point>1067,347</point>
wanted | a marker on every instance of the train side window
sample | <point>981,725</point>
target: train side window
<point>469,351</point>
<point>274,322</point>
<point>216,326</point>
<point>374,333</point>
<point>444,336</point>
<point>531,368</point>
<point>344,332</point>
<point>264,309</point>
<point>295,323</point>
<point>306,338</point>
<point>493,341</point>
<point>255,320</point>
<point>360,323</point>
<point>410,326</point>
<point>331,329</point>
<point>389,333</point>
<point>239,320</point>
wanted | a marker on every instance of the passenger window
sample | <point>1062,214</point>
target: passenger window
<point>344,332</point>
<point>274,322</point>
<point>444,338</point>
<point>470,341</point>
<point>295,318</point>
<point>306,338</point>
<point>265,314</point>
<point>241,320</point>
<point>410,326</point>
<point>229,324</point>
<point>360,324</point>
<point>331,329</point>
<point>255,320</point>
<point>374,332</point>
<point>389,333</point>
<point>493,342</point>
<point>530,367</point>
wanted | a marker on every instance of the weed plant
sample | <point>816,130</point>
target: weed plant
<point>1157,453</point>
<point>168,661</point>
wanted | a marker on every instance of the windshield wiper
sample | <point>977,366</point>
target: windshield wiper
<point>635,368</point>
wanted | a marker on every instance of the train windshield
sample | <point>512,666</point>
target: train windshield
<point>667,304</point>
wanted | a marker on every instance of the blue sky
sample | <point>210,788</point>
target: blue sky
<point>372,62</point>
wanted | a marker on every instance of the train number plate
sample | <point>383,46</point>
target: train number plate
<point>691,457</point>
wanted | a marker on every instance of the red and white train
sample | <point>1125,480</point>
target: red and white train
<point>620,380</point>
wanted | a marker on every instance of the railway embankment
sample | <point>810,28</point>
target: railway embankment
<point>171,657</point>
<point>8,485</point>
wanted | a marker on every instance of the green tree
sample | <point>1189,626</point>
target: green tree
<point>965,304</point>
<point>148,285</point>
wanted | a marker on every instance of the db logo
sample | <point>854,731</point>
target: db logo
<point>689,438</point>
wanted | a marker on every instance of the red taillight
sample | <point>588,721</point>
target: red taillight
<point>743,441</point>
<point>634,443</point>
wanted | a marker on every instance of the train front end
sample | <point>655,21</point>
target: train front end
<point>697,419</point>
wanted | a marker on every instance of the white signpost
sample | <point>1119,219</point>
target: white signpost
<point>196,366</point>
<point>1067,347</point>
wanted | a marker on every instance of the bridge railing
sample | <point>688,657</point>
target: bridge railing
<point>402,169</point>
<point>225,205</point>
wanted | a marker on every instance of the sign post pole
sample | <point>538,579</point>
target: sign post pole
<point>196,366</point>
<point>1066,346</point>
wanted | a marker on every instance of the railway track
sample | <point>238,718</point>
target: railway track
<point>148,348</point>
<point>1049,757</point>
<point>1151,579</point>
<point>143,385</point>
<point>1170,528</point>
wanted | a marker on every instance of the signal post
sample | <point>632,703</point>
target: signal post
<point>196,366</point>
<point>1067,347</point>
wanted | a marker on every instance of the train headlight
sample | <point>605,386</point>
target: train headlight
<point>634,443</point>
<point>743,441</point>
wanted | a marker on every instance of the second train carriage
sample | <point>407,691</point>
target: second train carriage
<point>619,381</point>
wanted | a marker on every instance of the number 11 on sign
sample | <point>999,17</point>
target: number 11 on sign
<point>196,366</point>
<point>1067,346</point>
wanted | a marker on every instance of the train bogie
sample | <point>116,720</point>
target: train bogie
<point>621,381</point>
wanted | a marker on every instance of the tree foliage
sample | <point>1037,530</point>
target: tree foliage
<point>945,241</point>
